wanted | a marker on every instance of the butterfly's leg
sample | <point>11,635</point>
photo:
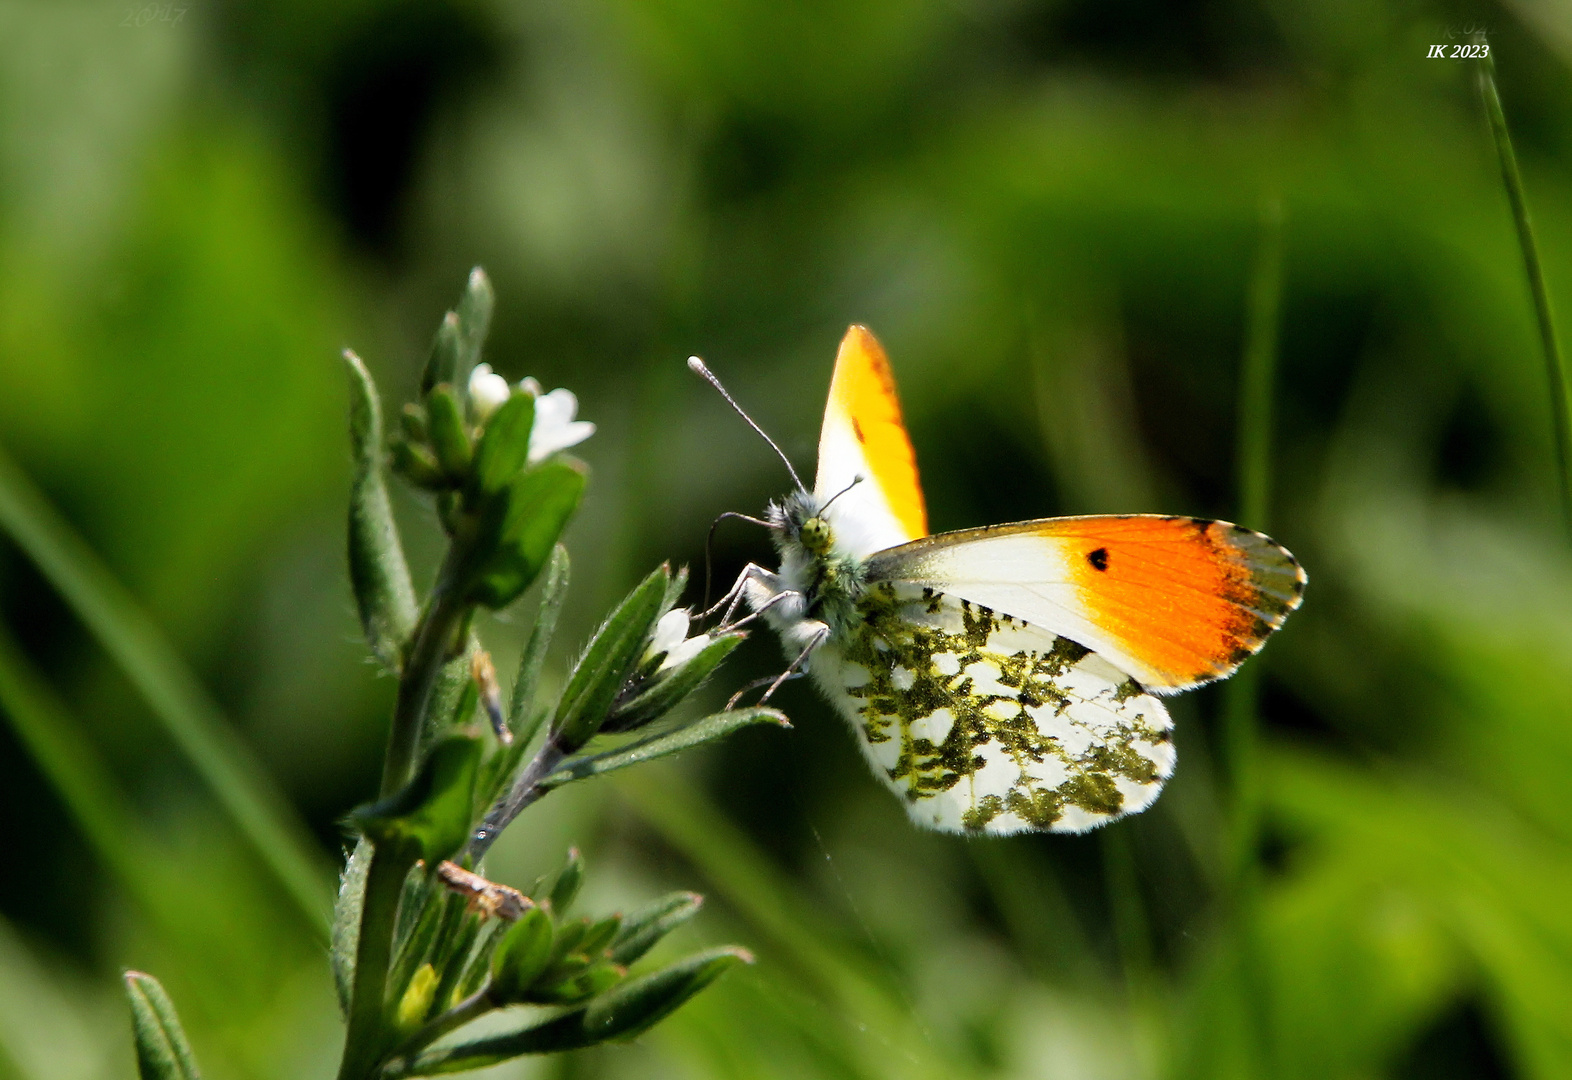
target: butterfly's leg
<point>753,572</point>
<point>767,680</point>
<point>813,643</point>
<point>784,594</point>
<point>735,591</point>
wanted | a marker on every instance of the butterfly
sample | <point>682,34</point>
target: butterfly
<point>1007,678</point>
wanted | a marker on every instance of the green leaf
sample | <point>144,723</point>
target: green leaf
<point>640,1003</point>
<point>565,886</point>
<point>451,687</point>
<point>442,365</point>
<point>417,464</point>
<point>415,948</point>
<point>611,657</point>
<point>346,919</point>
<point>708,729</point>
<point>162,1052</point>
<point>521,956</point>
<point>580,987</point>
<point>600,935</point>
<point>474,322</point>
<point>478,967</point>
<point>569,935</point>
<point>451,959</point>
<point>449,434</point>
<point>666,689</point>
<point>504,447</point>
<point>430,818</point>
<point>518,532</point>
<point>412,418</point>
<point>674,589</point>
<point>377,570</point>
<point>623,1012</point>
<point>641,930</point>
<point>533,658</point>
<point>560,971</point>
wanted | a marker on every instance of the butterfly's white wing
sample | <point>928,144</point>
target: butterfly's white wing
<point>864,440</point>
<point>1172,601</point>
<point>984,723</point>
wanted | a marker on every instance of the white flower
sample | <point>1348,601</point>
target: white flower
<point>555,429</point>
<point>487,391</point>
<point>671,637</point>
<point>669,632</point>
<point>684,652</point>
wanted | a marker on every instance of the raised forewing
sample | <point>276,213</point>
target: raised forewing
<point>983,723</point>
<point>1171,601</point>
<point>864,436</point>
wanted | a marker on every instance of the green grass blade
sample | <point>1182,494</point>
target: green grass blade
<point>1253,479</point>
<point>1258,374</point>
<point>68,761</point>
<point>892,1039</point>
<point>1132,927</point>
<point>179,702</point>
<point>1555,364</point>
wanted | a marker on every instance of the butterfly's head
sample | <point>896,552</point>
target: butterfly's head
<point>814,534</point>
<point>798,521</point>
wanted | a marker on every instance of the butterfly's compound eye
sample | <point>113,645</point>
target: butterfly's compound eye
<point>815,535</point>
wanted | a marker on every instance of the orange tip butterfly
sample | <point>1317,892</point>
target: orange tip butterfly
<point>1000,679</point>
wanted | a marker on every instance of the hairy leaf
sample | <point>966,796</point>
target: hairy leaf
<point>708,729</point>
<point>378,571</point>
<point>162,1052</point>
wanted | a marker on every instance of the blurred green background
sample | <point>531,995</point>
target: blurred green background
<point>1048,210</point>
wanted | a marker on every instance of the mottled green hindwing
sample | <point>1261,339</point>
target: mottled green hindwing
<point>984,723</point>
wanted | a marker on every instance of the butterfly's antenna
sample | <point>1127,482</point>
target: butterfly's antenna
<point>855,481</point>
<point>697,365</point>
<point>709,541</point>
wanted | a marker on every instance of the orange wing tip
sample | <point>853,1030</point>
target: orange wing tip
<point>1188,598</point>
<point>863,391</point>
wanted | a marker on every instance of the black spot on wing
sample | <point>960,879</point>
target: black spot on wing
<point>1098,558</point>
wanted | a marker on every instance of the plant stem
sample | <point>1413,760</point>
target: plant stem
<point>374,952</point>
<point>434,636</point>
<point>1555,365</point>
<point>1253,478</point>
<point>525,790</point>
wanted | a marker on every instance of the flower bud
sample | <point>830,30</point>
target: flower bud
<point>684,651</point>
<point>488,391</point>
<point>670,630</point>
<point>416,1002</point>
